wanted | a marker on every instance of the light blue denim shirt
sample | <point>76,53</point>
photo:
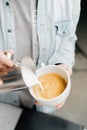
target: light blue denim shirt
<point>56,27</point>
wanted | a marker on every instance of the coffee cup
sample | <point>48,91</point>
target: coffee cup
<point>62,97</point>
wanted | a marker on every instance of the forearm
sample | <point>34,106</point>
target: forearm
<point>65,54</point>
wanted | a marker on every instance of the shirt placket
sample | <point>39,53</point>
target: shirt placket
<point>10,27</point>
<point>34,31</point>
<point>41,29</point>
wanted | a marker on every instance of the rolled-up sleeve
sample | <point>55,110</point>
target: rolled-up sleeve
<point>66,31</point>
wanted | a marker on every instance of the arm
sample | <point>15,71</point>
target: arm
<point>65,53</point>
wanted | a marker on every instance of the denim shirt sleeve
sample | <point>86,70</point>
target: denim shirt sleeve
<point>65,53</point>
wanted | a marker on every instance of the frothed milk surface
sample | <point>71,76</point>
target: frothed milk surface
<point>53,85</point>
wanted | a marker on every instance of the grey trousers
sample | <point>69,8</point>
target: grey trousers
<point>18,98</point>
<point>23,98</point>
<point>9,116</point>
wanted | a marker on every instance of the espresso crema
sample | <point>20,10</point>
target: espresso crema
<point>53,85</point>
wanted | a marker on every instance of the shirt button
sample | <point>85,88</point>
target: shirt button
<point>64,32</point>
<point>9,30</point>
<point>7,3</point>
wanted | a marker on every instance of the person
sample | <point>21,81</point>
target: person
<point>44,30</point>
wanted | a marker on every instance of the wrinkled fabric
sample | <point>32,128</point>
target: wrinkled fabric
<point>56,27</point>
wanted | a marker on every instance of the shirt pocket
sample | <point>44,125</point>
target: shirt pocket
<point>64,28</point>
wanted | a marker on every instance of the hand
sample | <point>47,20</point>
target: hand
<point>66,67</point>
<point>57,106</point>
<point>5,64</point>
<point>60,105</point>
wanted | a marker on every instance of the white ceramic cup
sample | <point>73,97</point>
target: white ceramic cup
<point>64,95</point>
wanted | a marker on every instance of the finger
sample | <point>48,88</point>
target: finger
<point>9,51</point>
<point>6,69</point>
<point>9,54</point>
<point>64,66</point>
<point>4,60</point>
<point>60,105</point>
<point>70,72</point>
<point>67,69</point>
<point>1,82</point>
<point>37,103</point>
<point>3,73</point>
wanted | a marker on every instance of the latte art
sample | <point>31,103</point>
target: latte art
<point>53,85</point>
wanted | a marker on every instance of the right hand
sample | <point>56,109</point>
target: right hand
<point>5,64</point>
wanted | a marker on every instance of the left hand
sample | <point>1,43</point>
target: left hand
<point>66,67</point>
<point>57,106</point>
